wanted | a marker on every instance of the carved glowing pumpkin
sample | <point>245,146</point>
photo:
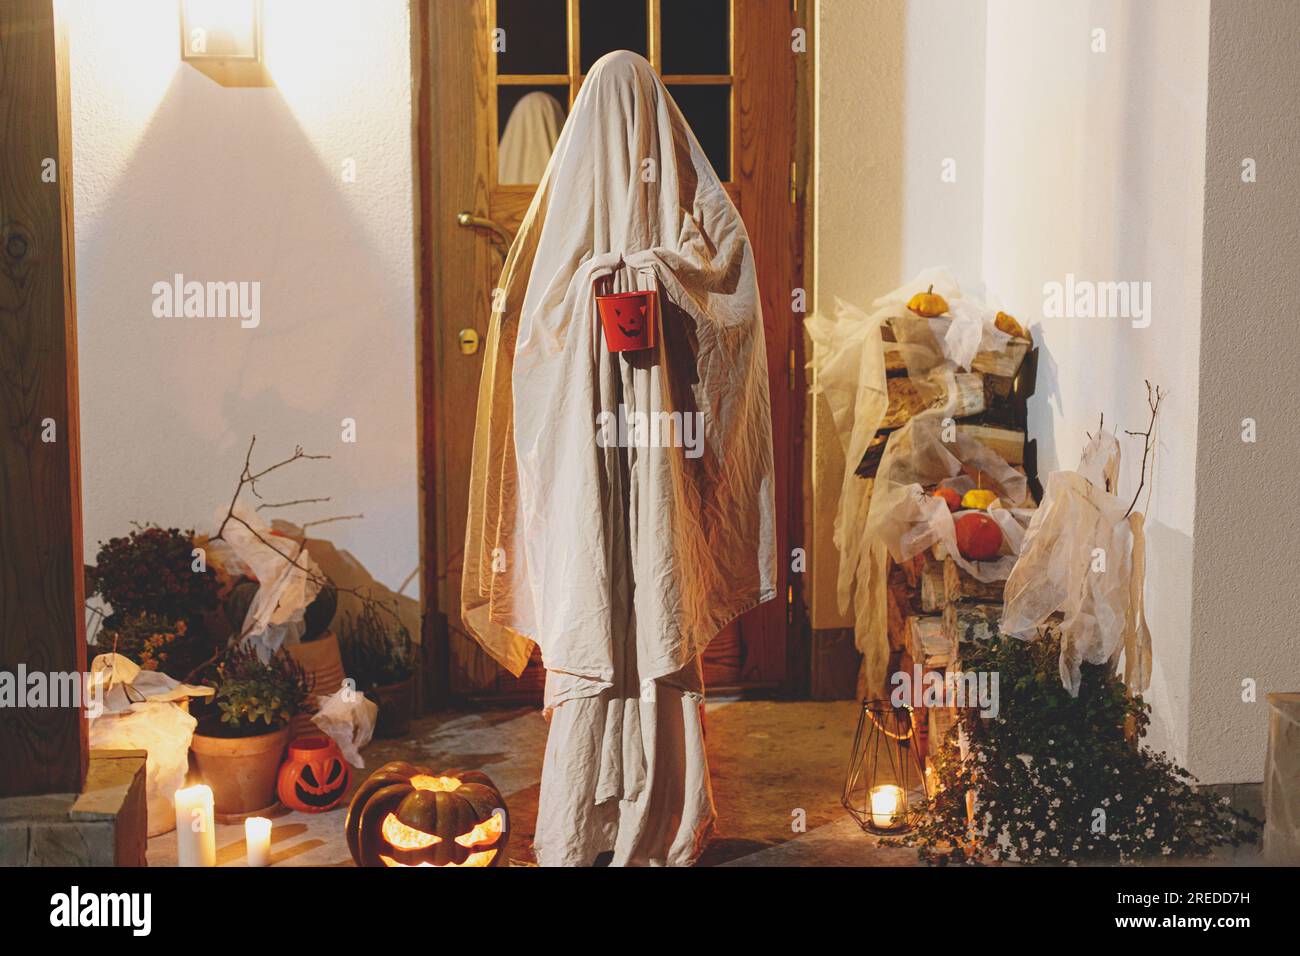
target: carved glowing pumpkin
<point>314,777</point>
<point>405,815</point>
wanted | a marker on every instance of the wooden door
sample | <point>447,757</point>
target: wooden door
<point>42,623</point>
<point>731,66</point>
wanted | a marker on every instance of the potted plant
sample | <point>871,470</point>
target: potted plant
<point>317,650</point>
<point>238,748</point>
<point>379,655</point>
<point>160,603</point>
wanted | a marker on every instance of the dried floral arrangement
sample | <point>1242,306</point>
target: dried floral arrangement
<point>159,604</point>
<point>1057,779</point>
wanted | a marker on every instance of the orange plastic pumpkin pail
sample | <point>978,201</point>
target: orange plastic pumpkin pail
<point>314,777</point>
<point>629,319</point>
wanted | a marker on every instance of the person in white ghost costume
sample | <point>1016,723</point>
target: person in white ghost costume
<point>621,562</point>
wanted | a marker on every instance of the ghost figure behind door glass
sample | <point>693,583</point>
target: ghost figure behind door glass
<point>529,136</point>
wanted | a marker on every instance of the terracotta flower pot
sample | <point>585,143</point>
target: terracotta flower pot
<point>396,701</point>
<point>323,665</point>
<point>240,770</point>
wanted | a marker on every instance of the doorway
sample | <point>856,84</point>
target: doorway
<point>734,67</point>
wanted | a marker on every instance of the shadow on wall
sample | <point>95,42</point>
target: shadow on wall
<point>224,185</point>
<point>346,572</point>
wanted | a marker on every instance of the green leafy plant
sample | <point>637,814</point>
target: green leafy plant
<point>1061,779</point>
<point>255,696</point>
<point>151,571</point>
<point>376,647</point>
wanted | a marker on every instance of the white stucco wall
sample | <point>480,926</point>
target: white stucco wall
<point>1245,601</point>
<point>1091,163</point>
<point>175,174</point>
<point>1095,166</point>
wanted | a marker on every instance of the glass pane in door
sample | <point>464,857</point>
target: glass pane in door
<point>708,111</point>
<point>696,37</point>
<point>605,25</point>
<point>536,37</point>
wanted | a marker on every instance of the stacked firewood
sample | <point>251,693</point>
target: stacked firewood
<point>933,604</point>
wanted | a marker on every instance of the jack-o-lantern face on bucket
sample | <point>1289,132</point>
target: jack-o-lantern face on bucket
<point>406,815</point>
<point>630,316</point>
<point>314,777</point>
<point>628,319</point>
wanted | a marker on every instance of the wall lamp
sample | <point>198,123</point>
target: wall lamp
<point>223,40</point>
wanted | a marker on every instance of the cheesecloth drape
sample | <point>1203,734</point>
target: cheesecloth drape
<point>621,560</point>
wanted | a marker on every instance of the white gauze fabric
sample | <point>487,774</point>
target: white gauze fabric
<point>1081,522</point>
<point>622,563</point>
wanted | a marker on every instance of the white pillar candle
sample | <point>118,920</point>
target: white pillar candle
<point>885,801</point>
<point>196,837</point>
<point>257,840</point>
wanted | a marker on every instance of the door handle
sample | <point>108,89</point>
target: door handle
<point>468,220</point>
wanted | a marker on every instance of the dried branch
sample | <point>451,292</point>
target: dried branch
<point>1154,396</point>
<point>296,501</point>
<point>249,479</point>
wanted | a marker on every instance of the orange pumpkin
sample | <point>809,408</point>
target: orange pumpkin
<point>405,815</point>
<point>978,536</point>
<point>314,777</point>
<point>950,497</point>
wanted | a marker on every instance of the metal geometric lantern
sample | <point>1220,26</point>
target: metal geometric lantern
<point>885,788</point>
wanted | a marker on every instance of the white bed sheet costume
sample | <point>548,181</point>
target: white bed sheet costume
<point>622,560</point>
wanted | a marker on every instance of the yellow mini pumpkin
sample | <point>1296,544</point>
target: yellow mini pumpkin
<point>979,498</point>
<point>928,303</point>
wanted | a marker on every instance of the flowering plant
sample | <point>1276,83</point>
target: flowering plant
<point>1060,779</point>
<point>154,642</point>
<point>152,570</point>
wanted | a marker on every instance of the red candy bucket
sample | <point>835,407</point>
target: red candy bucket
<point>629,319</point>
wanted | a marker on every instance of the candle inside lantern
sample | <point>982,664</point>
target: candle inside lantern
<point>885,801</point>
<point>257,840</point>
<point>196,838</point>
